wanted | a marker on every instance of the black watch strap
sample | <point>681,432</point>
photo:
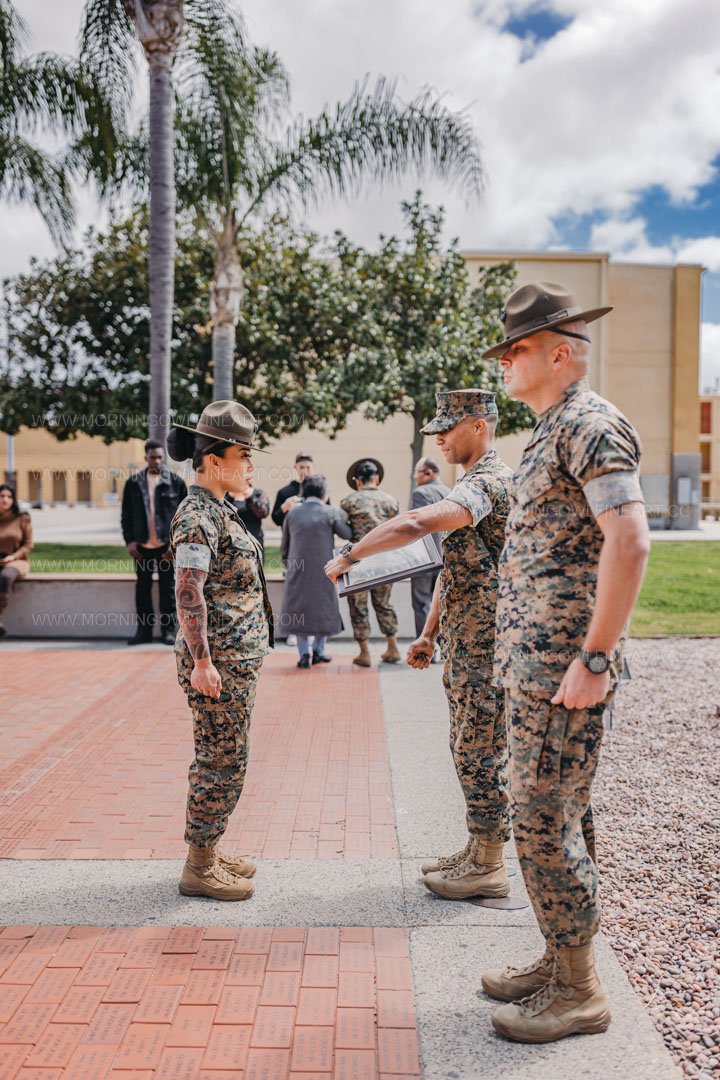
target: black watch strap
<point>345,552</point>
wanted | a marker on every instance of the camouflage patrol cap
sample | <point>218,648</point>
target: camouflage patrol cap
<point>455,405</point>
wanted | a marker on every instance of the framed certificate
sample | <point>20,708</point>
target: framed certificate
<point>420,557</point>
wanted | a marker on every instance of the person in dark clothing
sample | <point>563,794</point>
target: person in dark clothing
<point>289,496</point>
<point>150,499</point>
<point>428,489</point>
<point>252,509</point>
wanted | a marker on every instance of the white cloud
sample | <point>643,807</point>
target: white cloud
<point>625,98</point>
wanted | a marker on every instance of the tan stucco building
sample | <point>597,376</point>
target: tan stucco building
<point>710,451</point>
<point>646,357</point>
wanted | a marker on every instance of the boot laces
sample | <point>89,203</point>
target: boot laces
<point>548,960</point>
<point>454,860</point>
<point>542,998</point>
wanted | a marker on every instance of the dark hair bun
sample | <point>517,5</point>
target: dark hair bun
<point>180,444</point>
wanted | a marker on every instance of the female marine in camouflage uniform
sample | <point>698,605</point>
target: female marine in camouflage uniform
<point>225,631</point>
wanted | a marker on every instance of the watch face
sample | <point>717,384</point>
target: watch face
<point>598,664</point>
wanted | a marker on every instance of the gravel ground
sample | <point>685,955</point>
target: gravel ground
<point>657,810</point>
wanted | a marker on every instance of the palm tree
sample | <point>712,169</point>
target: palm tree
<point>53,96</point>
<point>165,28</point>
<point>231,162</point>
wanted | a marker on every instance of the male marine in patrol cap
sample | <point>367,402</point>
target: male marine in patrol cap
<point>575,553</point>
<point>473,517</point>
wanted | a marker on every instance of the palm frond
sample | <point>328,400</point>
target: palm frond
<point>29,174</point>
<point>109,48</point>
<point>373,135</point>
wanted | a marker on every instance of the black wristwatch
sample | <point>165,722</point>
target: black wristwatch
<point>597,663</point>
<point>345,552</point>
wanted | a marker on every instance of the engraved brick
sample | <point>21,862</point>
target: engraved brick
<point>393,973</point>
<point>173,969</point>
<point>396,1009</point>
<point>90,1062</point>
<point>99,970</point>
<point>128,985</point>
<point>141,1047</point>
<point>356,989</point>
<point>357,956</point>
<point>179,1063</point>
<point>267,1065</point>
<point>158,1004</point>
<point>245,971</point>
<point>227,1047</point>
<point>254,940</point>
<point>320,971</point>
<point>214,954</point>
<point>323,940</point>
<point>191,1025</point>
<point>183,939</point>
<point>355,1065</point>
<point>312,1049</point>
<point>55,1046</point>
<point>27,1024</point>
<point>285,956</point>
<point>398,1051</point>
<point>238,1005</point>
<point>203,988</point>
<point>273,1026</point>
<point>355,1029</point>
<point>316,1006</point>
<point>109,1024</point>
<point>79,1005</point>
<point>280,988</point>
<point>10,997</point>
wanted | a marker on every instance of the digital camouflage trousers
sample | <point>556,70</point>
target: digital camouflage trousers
<point>220,731</point>
<point>479,746</point>
<point>360,616</point>
<point>554,754</point>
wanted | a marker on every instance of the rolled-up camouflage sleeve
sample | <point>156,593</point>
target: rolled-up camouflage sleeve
<point>603,455</point>
<point>471,494</point>
<point>194,540</point>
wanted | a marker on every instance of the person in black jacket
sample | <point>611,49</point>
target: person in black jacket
<point>289,496</point>
<point>252,508</point>
<point>150,499</point>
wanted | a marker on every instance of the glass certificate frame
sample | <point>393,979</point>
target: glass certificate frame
<point>420,557</point>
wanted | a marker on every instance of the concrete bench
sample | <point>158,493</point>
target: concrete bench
<point>103,606</point>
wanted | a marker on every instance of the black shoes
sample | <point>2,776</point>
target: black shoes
<point>140,639</point>
<point>304,661</point>
<point>320,658</point>
<point>168,638</point>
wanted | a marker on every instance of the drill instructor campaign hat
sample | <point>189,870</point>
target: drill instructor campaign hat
<point>227,421</point>
<point>542,305</point>
<point>355,467</point>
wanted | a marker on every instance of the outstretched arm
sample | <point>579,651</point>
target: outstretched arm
<point>443,516</point>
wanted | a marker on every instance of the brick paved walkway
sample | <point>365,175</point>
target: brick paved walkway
<point>95,749</point>
<point>85,1003</point>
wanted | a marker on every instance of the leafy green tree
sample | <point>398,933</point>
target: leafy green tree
<point>78,334</point>
<point>50,95</point>
<point>231,166</point>
<point>427,324</point>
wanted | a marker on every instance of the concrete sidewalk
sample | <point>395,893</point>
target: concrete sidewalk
<point>353,781</point>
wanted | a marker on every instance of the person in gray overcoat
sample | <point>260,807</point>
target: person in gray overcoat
<point>310,601</point>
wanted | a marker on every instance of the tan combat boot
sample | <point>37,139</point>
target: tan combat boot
<point>514,984</point>
<point>234,864</point>
<point>446,862</point>
<point>363,657</point>
<point>482,873</point>
<point>570,1003</point>
<point>203,876</point>
<point>392,653</point>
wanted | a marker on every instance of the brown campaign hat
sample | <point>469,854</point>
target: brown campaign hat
<point>350,476</point>
<point>455,405</point>
<point>540,306</point>
<point>227,421</point>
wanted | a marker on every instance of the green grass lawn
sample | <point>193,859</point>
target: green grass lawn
<point>102,559</point>
<point>680,595</point>
<point>681,592</point>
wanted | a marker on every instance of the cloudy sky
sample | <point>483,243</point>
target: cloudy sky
<point>600,122</point>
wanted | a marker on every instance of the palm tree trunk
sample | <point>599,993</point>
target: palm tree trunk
<point>160,25</point>
<point>225,303</point>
